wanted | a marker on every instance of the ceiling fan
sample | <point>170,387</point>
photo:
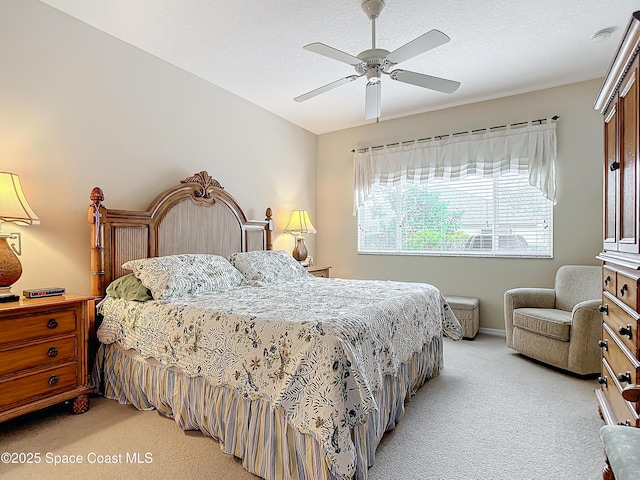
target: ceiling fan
<point>375,62</point>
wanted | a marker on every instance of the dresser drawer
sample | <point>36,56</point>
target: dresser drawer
<point>44,324</point>
<point>623,322</point>
<point>625,370</point>
<point>627,289</point>
<point>623,410</point>
<point>38,353</point>
<point>27,387</point>
<point>609,280</point>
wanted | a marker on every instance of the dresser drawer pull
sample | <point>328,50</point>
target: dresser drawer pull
<point>624,377</point>
<point>604,309</point>
<point>53,381</point>
<point>53,323</point>
<point>603,344</point>
<point>614,166</point>
<point>602,381</point>
<point>53,352</point>
<point>607,279</point>
<point>623,289</point>
<point>625,331</point>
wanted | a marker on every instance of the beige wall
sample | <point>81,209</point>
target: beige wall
<point>577,216</point>
<point>80,109</point>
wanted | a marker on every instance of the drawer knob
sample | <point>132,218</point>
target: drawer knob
<point>624,377</point>
<point>625,331</point>
<point>623,289</point>
<point>607,279</point>
<point>614,166</point>
<point>603,344</point>
<point>53,381</point>
<point>53,352</point>
<point>602,381</point>
<point>604,309</point>
<point>53,323</point>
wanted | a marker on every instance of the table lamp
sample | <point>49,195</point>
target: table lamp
<point>14,208</point>
<point>299,224</point>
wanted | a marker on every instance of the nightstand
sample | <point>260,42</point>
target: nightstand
<point>43,353</point>
<point>319,271</point>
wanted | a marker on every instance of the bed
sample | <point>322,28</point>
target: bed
<point>200,319</point>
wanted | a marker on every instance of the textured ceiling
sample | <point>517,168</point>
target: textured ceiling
<point>253,48</point>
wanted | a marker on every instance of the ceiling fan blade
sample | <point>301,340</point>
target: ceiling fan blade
<point>372,101</point>
<point>327,51</point>
<point>425,81</point>
<point>325,88</point>
<point>424,43</point>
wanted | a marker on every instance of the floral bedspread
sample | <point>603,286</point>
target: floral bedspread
<point>315,348</point>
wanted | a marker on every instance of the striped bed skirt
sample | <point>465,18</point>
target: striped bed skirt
<point>250,429</point>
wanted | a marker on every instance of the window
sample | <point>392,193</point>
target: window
<point>501,216</point>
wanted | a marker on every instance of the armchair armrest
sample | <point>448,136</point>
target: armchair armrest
<point>531,297</point>
<point>586,330</point>
<point>631,393</point>
<point>586,305</point>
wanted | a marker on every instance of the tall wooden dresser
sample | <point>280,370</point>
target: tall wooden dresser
<point>618,101</point>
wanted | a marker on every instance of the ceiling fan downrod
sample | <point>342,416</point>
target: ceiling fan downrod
<point>373,9</point>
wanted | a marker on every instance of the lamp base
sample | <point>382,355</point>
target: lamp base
<point>9,298</point>
<point>300,252</point>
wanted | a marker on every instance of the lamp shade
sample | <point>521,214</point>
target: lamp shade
<point>299,223</point>
<point>13,204</point>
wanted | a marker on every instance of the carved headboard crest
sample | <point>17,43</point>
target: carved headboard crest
<point>205,181</point>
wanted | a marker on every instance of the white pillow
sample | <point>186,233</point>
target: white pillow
<point>175,276</point>
<point>268,267</point>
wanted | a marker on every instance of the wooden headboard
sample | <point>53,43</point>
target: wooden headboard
<point>196,216</point>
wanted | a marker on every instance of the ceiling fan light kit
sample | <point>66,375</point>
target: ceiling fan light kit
<point>375,62</point>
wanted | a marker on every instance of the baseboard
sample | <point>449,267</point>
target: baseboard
<point>496,332</point>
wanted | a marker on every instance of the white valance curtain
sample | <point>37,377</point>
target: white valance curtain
<point>525,148</point>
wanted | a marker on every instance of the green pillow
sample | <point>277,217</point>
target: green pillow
<point>129,287</point>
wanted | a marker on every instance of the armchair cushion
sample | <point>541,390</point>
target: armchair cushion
<point>549,322</point>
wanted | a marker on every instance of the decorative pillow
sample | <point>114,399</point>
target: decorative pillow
<point>267,267</point>
<point>175,276</point>
<point>129,287</point>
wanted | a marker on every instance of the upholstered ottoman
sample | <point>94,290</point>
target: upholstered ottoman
<point>467,311</point>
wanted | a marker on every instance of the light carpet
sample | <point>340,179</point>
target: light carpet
<point>491,414</point>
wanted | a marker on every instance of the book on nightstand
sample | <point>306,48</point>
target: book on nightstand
<point>44,292</point>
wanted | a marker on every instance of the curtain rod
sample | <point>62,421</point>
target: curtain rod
<point>439,137</point>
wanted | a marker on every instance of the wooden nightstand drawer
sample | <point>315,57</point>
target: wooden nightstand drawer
<point>28,387</point>
<point>45,324</point>
<point>319,271</point>
<point>39,353</point>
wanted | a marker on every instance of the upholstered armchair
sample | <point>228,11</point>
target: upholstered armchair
<point>558,326</point>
